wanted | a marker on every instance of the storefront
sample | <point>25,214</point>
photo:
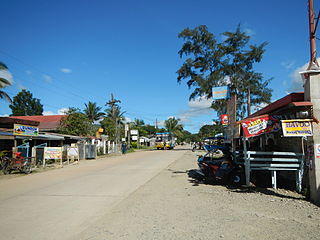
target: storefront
<point>274,139</point>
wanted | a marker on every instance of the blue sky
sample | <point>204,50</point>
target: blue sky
<point>73,51</point>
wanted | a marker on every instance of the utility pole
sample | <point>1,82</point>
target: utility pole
<point>313,64</point>
<point>312,94</point>
<point>113,103</point>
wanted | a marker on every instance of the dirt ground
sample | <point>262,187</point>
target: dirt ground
<point>172,206</point>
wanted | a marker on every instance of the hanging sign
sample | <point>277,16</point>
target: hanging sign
<point>260,125</point>
<point>296,128</point>
<point>220,92</point>
<point>224,119</point>
<point>25,130</point>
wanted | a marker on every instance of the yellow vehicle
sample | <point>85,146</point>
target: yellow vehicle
<point>165,140</point>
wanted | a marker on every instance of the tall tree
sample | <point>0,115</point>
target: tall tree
<point>24,104</point>
<point>4,82</point>
<point>210,130</point>
<point>76,123</point>
<point>173,125</point>
<point>93,111</point>
<point>211,64</point>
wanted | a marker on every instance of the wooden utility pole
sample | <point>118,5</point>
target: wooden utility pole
<point>113,103</point>
<point>313,64</point>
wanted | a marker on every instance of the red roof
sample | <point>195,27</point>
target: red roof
<point>295,99</point>
<point>49,122</point>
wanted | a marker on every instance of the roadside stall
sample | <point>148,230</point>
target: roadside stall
<point>274,139</point>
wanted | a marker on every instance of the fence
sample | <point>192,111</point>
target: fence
<point>272,161</point>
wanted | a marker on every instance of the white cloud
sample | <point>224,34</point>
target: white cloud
<point>200,103</point>
<point>46,113</point>
<point>61,111</point>
<point>127,120</point>
<point>47,78</point>
<point>249,31</point>
<point>198,107</point>
<point>20,86</point>
<point>66,70</point>
<point>288,64</point>
<point>296,80</point>
<point>4,115</point>
<point>160,123</point>
<point>28,72</point>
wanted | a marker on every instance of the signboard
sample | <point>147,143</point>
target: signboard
<point>52,153</point>
<point>25,130</point>
<point>73,152</point>
<point>296,128</point>
<point>134,132</point>
<point>317,150</point>
<point>224,119</point>
<point>134,138</point>
<point>260,125</point>
<point>220,92</point>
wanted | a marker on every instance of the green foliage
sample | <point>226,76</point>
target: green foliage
<point>93,111</point>
<point>210,130</point>
<point>134,144</point>
<point>76,123</point>
<point>4,82</point>
<point>211,64</point>
<point>113,121</point>
<point>172,125</point>
<point>25,105</point>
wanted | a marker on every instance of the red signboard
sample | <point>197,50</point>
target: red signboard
<point>256,126</point>
<point>224,119</point>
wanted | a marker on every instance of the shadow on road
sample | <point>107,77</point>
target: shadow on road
<point>196,180</point>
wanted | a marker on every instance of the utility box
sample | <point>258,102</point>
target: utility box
<point>90,151</point>
<point>81,151</point>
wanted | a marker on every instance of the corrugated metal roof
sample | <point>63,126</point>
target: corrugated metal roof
<point>48,122</point>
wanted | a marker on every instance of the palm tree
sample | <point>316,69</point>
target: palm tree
<point>4,82</point>
<point>172,125</point>
<point>93,111</point>
<point>113,120</point>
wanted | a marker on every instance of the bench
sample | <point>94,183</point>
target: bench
<point>272,161</point>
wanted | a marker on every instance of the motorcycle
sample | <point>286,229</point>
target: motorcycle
<point>20,163</point>
<point>218,170</point>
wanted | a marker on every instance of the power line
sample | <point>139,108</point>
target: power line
<point>44,73</point>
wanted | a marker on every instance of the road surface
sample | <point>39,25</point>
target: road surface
<point>61,203</point>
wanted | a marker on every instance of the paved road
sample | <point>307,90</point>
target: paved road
<point>59,204</point>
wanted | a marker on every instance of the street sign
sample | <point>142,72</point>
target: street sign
<point>134,132</point>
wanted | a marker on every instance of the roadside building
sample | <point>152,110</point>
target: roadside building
<point>274,140</point>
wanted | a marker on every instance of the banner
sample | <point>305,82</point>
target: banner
<point>296,128</point>
<point>224,119</point>
<point>220,92</point>
<point>52,153</point>
<point>260,125</point>
<point>25,130</point>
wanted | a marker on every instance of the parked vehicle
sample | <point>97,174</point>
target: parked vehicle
<point>218,170</point>
<point>18,163</point>
<point>165,140</point>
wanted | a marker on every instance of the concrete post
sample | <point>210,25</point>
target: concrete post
<point>312,93</point>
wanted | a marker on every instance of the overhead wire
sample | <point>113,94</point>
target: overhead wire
<point>44,73</point>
